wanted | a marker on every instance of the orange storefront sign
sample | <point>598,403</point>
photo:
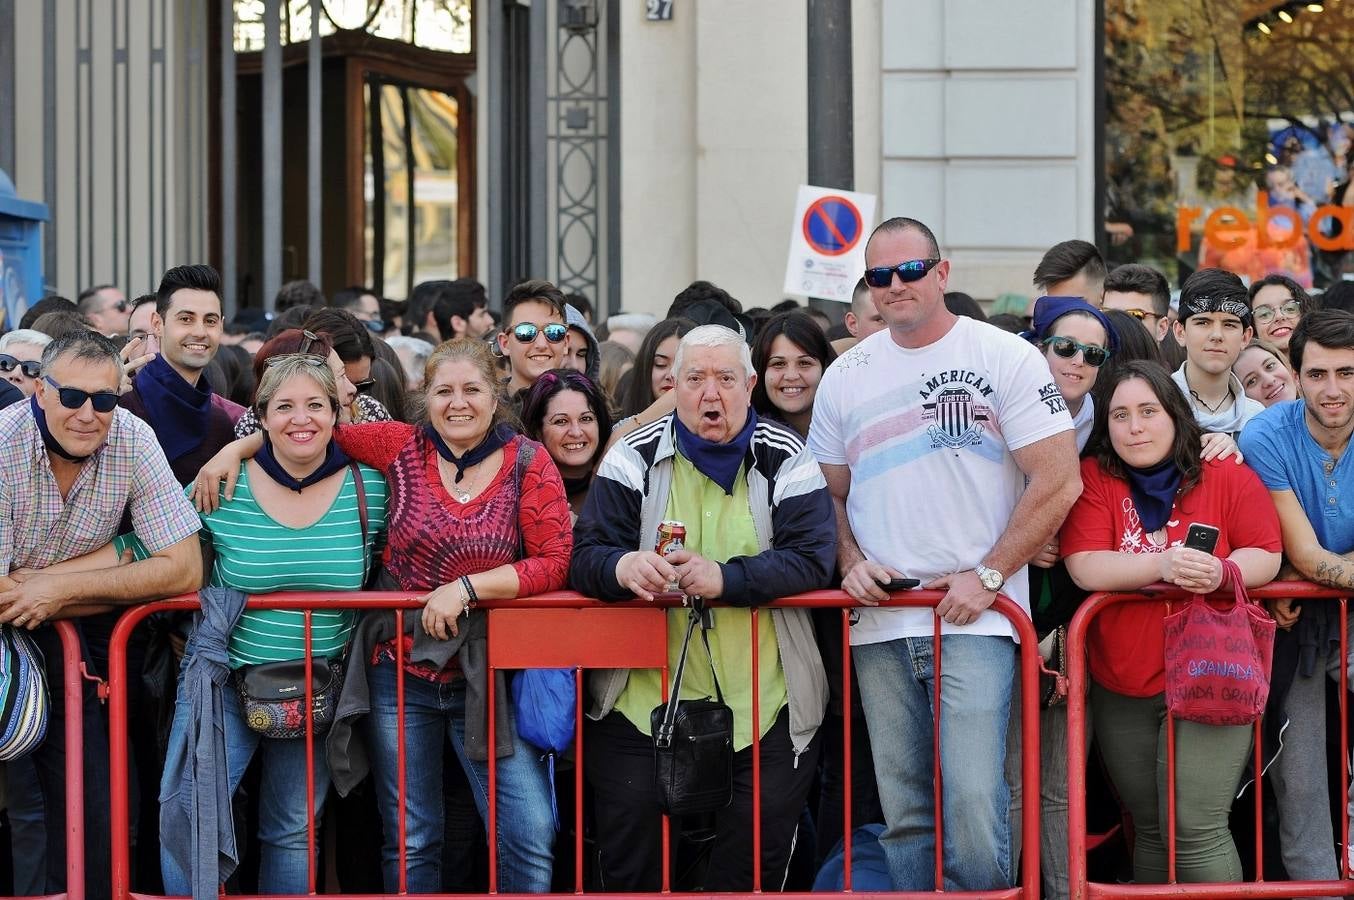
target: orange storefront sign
<point>1228,228</point>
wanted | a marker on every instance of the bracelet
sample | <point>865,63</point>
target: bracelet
<point>470,597</point>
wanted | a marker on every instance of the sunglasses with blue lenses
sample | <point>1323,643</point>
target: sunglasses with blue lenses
<point>908,271</point>
<point>30,367</point>
<point>74,398</point>
<point>527,331</point>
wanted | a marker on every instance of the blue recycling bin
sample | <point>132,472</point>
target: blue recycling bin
<point>20,253</point>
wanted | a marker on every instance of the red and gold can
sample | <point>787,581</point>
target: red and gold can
<point>671,537</point>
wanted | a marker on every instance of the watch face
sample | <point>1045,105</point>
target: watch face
<point>991,579</point>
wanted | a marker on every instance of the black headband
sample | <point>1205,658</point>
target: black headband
<point>1194,306</point>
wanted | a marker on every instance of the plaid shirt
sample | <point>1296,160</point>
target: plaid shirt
<point>38,528</point>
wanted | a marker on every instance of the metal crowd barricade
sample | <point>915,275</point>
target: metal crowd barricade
<point>72,686</point>
<point>1081,887</point>
<point>567,630</point>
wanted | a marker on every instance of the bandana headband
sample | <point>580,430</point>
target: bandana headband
<point>1201,305</point>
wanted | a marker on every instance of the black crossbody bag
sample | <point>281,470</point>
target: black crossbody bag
<point>693,744</point>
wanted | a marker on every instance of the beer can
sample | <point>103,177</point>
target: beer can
<point>671,537</point>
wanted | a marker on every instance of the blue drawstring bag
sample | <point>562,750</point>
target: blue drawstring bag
<point>544,702</point>
<point>869,868</point>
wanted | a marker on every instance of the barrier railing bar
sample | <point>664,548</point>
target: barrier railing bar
<point>578,779</point>
<point>1170,789</point>
<point>492,745</point>
<point>667,820</point>
<point>1257,738</point>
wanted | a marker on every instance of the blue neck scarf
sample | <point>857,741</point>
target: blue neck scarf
<point>1154,491</point>
<point>721,463</point>
<point>334,460</point>
<point>178,410</point>
<point>495,439</point>
<point>48,441</point>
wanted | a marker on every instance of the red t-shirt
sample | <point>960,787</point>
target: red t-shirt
<point>1126,642</point>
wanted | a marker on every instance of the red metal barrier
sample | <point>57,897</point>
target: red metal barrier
<point>1081,887</point>
<point>567,630</point>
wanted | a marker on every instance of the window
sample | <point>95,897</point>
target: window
<point>1228,131</point>
<point>431,24</point>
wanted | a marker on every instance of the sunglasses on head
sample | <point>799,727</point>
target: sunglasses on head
<point>74,398</point>
<point>1067,348</point>
<point>1289,309</point>
<point>365,385</point>
<point>527,331</point>
<point>1140,314</point>
<point>908,271</point>
<point>30,367</point>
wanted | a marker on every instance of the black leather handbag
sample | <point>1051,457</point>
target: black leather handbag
<point>693,744</point>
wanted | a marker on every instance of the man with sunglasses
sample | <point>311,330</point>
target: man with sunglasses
<point>105,306</point>
<point>71,464</point>
<point>1214,327</point>
<point>950,458</point>
<point>534,335</point>
<point>1143,293</point>
<point>21,358</point>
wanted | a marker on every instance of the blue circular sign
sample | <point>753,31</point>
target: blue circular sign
<point>832,226</point>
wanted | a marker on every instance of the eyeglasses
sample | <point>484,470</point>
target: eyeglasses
<point>30,367</point>
<point>74,398</point>
<point>908,271</point>
<point>1289,309</point>
<point>1067,348</point>
<point>527,331</point>
<point>364,385</point>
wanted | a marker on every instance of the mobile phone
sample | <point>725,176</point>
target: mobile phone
<point>898,584</point>
<point>1202,537</point>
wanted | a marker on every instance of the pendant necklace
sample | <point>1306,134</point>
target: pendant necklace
<point>463,493</point>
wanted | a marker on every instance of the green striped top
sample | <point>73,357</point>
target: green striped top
<point>257,555</point>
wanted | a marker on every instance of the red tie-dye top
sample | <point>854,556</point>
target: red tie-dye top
<point>433,539</point>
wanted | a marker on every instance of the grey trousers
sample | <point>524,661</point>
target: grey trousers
<point>1052,793</point>
<point>1298,775</point>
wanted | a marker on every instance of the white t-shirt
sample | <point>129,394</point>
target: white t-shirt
<point>928,435</point>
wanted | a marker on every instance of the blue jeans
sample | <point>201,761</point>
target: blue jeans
<point>434,712</point>
<point>896,689</point>
<point>283,822</point>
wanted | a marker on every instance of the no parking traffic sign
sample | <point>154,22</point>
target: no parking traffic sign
<point>827,243</point>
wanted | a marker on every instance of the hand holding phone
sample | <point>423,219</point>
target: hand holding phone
<point>898,584</point>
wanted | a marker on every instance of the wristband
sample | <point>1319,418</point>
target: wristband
<point>470,598</point>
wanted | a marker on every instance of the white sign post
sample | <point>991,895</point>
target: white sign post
<point>827,242</point>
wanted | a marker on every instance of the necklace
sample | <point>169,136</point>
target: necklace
<point>463,494</point>
<point>1213,409</point>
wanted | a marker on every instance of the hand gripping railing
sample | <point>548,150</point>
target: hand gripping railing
<point>1081,887</point>
<point>567,630</point>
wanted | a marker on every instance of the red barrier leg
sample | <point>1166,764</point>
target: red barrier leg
<point>400,770</point>
<point>1344,735</point>
<point>938,797</point>
<point>578,780</point>
<point>667,822</point>
<point>756,763</point>
<point>1170,798</point>
<point>310,755</point>
<point>1259,763</point>
<point>846,750</point>
<point>493,787</point>
<point>73,687</point>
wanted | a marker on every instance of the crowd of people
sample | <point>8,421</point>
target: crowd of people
<point>459,455</point>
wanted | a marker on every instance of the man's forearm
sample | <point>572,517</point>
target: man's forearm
<point>149,579</point>
<point>1324,567</point>
<point>848,551</point>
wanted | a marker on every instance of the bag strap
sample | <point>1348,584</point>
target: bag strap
<point>361,515</point>
<point>698,607</point>
<point>664,736</point>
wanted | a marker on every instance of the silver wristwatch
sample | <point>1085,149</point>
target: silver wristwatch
<point>992,579</point>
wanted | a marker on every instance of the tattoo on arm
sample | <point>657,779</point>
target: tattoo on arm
<point>1334,575</point>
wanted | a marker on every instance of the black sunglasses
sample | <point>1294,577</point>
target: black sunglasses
<point>365,385</point>
<point>1067,348</point>
<point>74,398</point>
<point>908,271</point>
<point>30,367</point>
<point>527,331</point>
